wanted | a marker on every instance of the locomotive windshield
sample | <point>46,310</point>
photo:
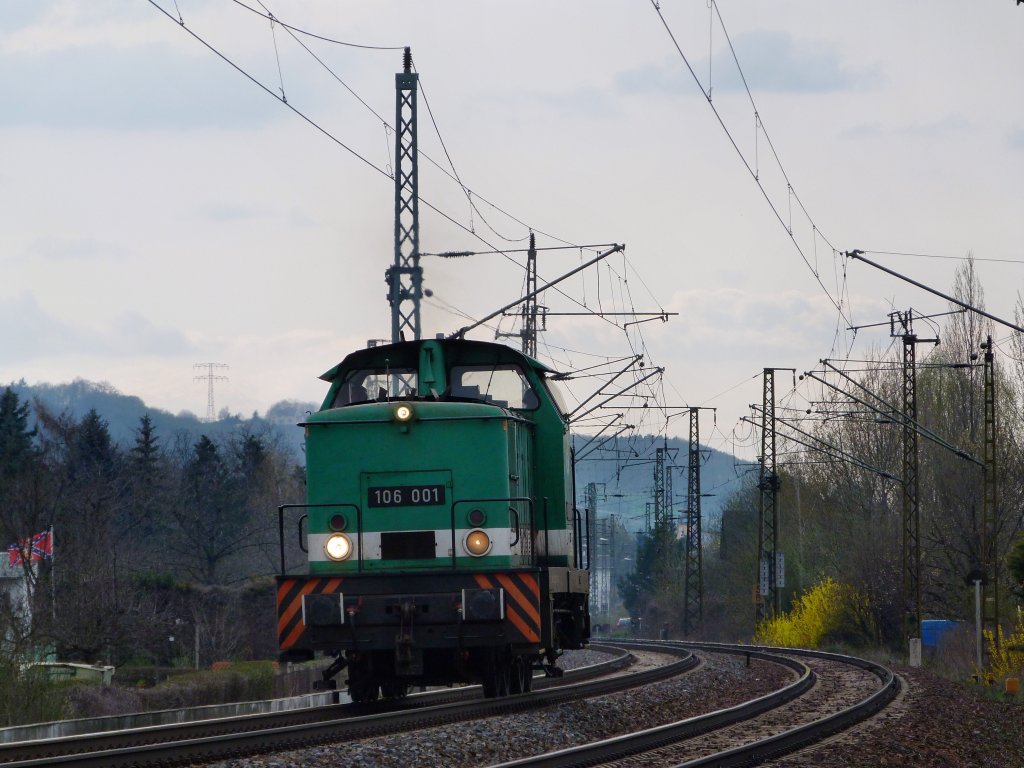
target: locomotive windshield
<point>503,385</point>
<point>376,384</point>
<point>557,395</point>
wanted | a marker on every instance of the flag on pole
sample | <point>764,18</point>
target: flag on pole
<point>36,549</point>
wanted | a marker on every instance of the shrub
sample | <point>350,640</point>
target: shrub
<point>245,681</point>
<point>1002,661</point>
<point>829,612</point>
<point>31,697</point>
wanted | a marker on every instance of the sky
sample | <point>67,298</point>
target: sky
<point>159,209</point>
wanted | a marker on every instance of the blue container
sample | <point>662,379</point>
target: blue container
<point>932,631</point>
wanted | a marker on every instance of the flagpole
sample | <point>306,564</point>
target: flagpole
<point>53,579</point>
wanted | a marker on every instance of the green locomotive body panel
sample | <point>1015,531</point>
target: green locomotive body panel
<point>439,521</point>
<point>363,458</point>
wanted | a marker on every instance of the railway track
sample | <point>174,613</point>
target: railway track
<point>827,694</point>
<point>226,737</point>
<point>831,694</point>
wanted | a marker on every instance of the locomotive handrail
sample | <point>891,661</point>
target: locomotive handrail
<point>515,512</point>
<point>547,534</point>
<point>302,546</point>
<point>280,527</point>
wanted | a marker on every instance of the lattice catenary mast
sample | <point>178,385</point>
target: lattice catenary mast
<point>771,567</point>
<point>405,276</point>
<point>693,579</point>
<point>901,325</point>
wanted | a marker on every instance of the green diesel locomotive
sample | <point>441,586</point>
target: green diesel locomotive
<point>442,538</point>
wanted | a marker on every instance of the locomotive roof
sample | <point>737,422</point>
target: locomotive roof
<point>407,352</point>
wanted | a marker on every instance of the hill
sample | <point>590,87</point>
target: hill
<point>622,468</point>
<point>122,413</point>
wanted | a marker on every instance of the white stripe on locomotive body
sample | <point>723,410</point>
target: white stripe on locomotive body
<point>501,546</point>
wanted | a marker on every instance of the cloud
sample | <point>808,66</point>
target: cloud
<point>771,61</point>
<point>31,333</point>
<point>74,249</point>
<point>667,78</point>
<point>143,88</point>
<point>950,126</point>
<point>750,320</point>
<point>222,212</point>
<point>132,334</point>
<point>1015,139</point>
<point>19,14</point>
<point>29,329</point>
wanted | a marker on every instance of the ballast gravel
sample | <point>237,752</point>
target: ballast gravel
<point>934,722</point>
<point>722,681</point>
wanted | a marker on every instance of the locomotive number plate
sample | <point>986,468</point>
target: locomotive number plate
<point>405,495</point>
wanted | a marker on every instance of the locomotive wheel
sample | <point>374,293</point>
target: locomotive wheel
<point>521,677</point>
<point>394,689</point>
<point>497,675</point>
<point>362,690</point>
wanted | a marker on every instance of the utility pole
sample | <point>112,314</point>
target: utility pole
<point>599,571</point>
<point>591,521</point>
<point>531,310</point>
<point>901,325</point>
<point>660,512</point>
<point>209,377</point>
<point>771,568</point>
<point>989,523</point>
<point>405,276</point>
<point>693,584</point>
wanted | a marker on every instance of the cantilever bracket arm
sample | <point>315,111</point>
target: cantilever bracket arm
<point>461,333</point>
<point>859,256</point>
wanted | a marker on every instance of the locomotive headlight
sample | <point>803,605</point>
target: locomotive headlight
<point>403,413</point>
<point>338,547</point>
<point>477,543</point>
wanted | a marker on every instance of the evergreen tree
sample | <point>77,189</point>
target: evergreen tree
<point>16,449</point>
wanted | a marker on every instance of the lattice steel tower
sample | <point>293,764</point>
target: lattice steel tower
<point>209,377</point>
<point>769,597</point>
<point>405,276</point>
<point>901,325</point>
<point>989,529</point>
<point>693,589</point>
<point>660,512</point>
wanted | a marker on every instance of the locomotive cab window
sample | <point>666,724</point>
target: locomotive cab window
<point>503,385</point>
<point>557,395</point>
<point>369,385</point>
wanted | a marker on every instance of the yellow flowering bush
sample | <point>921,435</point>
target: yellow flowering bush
<point>829,611</point>
<point>1002,661</point>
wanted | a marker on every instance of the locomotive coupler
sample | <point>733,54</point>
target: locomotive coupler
<point>327,681</point>
<point>550,670</point>
<point>408,660</point>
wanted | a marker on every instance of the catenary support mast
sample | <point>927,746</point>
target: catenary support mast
<point>768,602</point>
<point>989,530</point>
<point>693,588</point>
<point>902,326</point>
<point>405,276</point>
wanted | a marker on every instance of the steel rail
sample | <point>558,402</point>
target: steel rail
<point>619,747</point>
<point>818,730</point>
<point>750,754</point>
<point>251,734</point>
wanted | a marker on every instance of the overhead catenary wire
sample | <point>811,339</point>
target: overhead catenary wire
<point>721,121</point>
<point>268,15</point>
<point>620,294</point>
<point>342,144</point>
